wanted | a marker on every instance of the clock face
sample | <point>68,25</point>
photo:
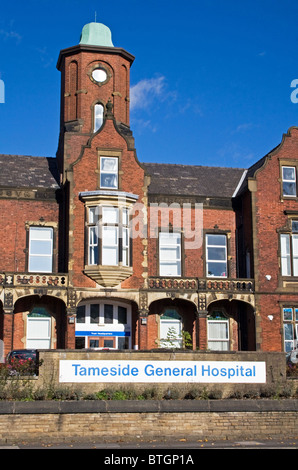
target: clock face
<point>99,75</point>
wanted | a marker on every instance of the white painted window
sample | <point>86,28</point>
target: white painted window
<point>40,249</point>
<point>218,332</point>
<point>109,172</point>
<point>289,181</point>
<point>169,254</point>
<point>216,255</point>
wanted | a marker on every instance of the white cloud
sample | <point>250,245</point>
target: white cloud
<point>143,93</point>
<point>10,35</point>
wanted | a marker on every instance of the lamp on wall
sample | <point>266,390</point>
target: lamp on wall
<point>268,277</point>
<point>270,317</point>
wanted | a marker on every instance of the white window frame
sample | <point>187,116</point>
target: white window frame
<point>210,261</point>
<point>33,253</point>
<point>167,264</point>
<point>289,181</point>
<point>290,319</point>
<point>289,254</point>
<point>213,340</point>
<point>109,172</point>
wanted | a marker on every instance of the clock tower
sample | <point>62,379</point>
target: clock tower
<point>101,178</point>
<point>94,76</point>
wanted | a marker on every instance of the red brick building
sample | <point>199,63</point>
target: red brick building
<point>100,250</point>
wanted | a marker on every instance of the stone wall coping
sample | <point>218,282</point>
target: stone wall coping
<point>148,406</point>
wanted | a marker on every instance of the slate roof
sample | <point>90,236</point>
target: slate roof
<point>192,180</point>
<point>20,171</point>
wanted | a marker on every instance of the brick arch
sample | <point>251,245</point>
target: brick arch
<point>242,324</point>
<point>55,307</point>
<point>187,310</point>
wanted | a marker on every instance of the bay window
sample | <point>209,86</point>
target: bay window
<point>108,236</point>
<point>289,251</point>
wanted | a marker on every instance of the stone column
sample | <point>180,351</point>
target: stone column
<point>142,328</point>
<point>70,328</point>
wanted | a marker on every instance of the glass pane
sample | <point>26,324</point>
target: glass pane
<point>110,236</point>
<point>110,215</point>
<point>80,314</point>
<point>93,238</point>
<point>108,181</point>
<point>109,164</point>
<point>122,315</point>
<point>98,116</point>
<point>218,330</point>
<point>218,345</point>
<point>43,247</point>
<point>125,256</point>
<point>288,173</point>
<point>166,239</point>
<point>216,254</point>
<point>288,332</point>
<point>218,240</point>
<point>41,233</point>
<point>285,255</point>
<point>170,254</point>
<point>170,269</point>
<point>110,256</point>
<point>93,215</point>
<point>288,314</point>
<point>108,313</point>
<point>294,226</point>
<point>94,313</point>
<point>296,314</point>
<point>125,217</point>
<point>289,189</point>
<point>217,269</point>
<point>40,264</point>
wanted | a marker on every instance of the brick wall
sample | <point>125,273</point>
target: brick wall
<point>103,421</point>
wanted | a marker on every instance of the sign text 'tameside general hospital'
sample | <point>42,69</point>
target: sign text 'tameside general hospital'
<point>92,371</point>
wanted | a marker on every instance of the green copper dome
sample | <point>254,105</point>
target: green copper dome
<point>96,34</point>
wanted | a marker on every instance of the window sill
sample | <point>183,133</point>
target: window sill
<point>108,276</point>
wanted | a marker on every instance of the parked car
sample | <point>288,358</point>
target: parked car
<point>23,361</point>
<point>293,356</point>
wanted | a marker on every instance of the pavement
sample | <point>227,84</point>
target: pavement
<point>163,447</point>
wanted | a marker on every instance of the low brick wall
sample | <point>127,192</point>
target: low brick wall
<point>111,421</point>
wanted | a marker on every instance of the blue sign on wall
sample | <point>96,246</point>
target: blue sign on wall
<point>102,333</point>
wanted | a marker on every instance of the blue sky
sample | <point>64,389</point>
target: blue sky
<point>211,80</point>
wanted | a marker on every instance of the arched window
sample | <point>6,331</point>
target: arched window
<point>98,116</point>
